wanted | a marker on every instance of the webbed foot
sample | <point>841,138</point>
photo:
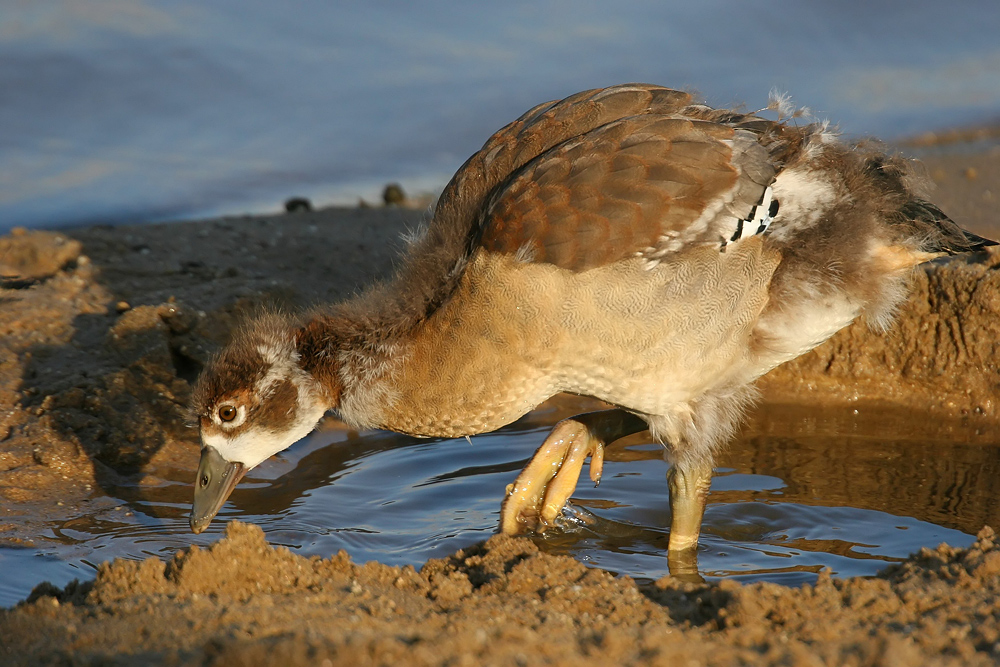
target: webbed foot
<point>539,493</point>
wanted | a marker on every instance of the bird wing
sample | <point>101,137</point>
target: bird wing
<point>645,185</point>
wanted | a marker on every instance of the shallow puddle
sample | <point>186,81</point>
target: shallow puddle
<point>800,490</point>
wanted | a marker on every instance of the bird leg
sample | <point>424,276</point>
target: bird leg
<point>689,485</point>
<point>683,566</point>
<point>538,494</point>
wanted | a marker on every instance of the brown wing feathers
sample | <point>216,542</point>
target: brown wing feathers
<point>609,194</point>
<point>435,262</point>
<point>626,188</point>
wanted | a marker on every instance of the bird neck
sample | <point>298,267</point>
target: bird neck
<point>354,348</point>
<point>455,369</point>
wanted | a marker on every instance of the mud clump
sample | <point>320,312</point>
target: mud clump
<point>502,602</point>
<point>939,355</point>
<point>33,256</point>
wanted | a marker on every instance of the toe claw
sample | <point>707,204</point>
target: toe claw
<point>597,463</point>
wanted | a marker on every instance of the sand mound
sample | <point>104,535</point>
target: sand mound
<point>242,602</point>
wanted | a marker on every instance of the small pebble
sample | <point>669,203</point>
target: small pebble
<point>393,194</point>
<point>296,204</point>
<point>122,306</point>
<point>971,173</point>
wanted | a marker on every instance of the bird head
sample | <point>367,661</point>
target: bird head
<point>253,400</point>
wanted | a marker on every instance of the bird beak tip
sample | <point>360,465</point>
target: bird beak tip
<point>216,480</point>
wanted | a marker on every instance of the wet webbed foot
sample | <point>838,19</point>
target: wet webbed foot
<point>537,496</point>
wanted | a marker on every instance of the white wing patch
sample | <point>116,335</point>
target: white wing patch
<point>757,222</point>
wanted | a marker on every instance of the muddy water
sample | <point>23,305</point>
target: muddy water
<point>802,489</point>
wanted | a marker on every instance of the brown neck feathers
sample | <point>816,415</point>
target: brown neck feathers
<point>318,344</point>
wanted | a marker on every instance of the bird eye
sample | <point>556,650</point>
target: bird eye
<point>227,413</point>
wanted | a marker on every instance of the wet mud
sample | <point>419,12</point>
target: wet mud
<point>104,329</point>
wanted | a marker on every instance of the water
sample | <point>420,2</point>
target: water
<point>149,110</point>
<point>793,495</point>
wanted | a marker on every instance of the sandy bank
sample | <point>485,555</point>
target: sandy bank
<point>242,602</point>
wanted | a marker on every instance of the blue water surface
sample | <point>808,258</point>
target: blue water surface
<point>781,508</point>
<point>136,110</point>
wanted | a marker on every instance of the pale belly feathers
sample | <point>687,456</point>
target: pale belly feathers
<point>647,339</point>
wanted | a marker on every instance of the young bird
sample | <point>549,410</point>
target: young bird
<point>624,243</point>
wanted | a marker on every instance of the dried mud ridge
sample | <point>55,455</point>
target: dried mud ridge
<point>502,602</point>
